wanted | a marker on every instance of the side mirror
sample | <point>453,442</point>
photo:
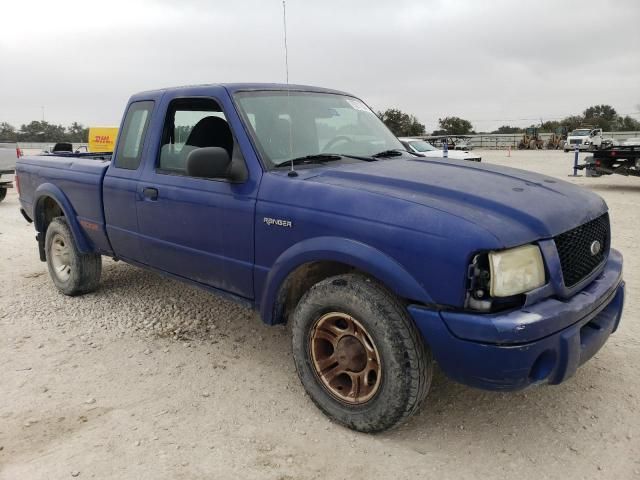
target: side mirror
<point>208,162</point>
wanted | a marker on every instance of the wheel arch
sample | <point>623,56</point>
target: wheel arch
<point>312,260</point>
<point>50,202</point>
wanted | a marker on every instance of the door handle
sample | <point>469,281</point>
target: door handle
<point>150,193</point>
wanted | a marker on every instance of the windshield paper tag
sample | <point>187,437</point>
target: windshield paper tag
<point>358,105</point>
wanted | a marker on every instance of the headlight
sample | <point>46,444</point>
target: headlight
<point>515,271</point>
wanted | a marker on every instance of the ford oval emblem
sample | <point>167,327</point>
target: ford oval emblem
<point>595,247</point>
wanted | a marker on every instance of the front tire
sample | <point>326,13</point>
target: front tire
<point>358,354</point>
<point>72,272</point>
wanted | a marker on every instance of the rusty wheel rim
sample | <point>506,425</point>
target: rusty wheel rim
<point>345,359</point>
<point>60,258</point>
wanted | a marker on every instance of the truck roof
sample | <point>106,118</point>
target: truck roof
<point>235,87</point>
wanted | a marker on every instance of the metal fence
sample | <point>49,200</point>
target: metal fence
<point>498,141</point>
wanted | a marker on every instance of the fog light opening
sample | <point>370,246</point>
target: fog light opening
<point>543,366</point>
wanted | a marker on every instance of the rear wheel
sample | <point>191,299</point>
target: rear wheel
<point>358,353</point>
<point>3,193</point>
<point>72,272</point>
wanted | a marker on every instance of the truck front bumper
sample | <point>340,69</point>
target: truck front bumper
<point>572,146</point>
<point>510,351</point>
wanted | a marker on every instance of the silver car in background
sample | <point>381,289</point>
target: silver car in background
<point>425,149</point>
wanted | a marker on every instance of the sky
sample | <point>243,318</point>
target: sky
<point>492,62</point>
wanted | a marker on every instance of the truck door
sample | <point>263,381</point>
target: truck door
<point>120,182</point>
<point>197,228</point>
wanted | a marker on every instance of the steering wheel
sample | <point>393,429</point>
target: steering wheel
<point>338,139</point>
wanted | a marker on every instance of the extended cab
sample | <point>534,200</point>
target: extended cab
<point>299,202</point>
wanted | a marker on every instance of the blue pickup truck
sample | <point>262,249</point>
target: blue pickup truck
<point>298,201</point>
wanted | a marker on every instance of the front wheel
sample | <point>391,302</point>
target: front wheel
<point>72,272</point>
<point>358,353</point>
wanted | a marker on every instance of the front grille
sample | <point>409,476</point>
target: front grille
<point>575,249</point>
<point>573,141</point>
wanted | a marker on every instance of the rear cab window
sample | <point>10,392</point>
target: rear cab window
<point>129,149</point>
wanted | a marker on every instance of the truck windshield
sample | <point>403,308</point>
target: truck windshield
<point>580,133</point>
<point>294,124</point>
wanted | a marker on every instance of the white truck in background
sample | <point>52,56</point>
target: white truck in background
<point>8,155</point>
<point>586,138</point>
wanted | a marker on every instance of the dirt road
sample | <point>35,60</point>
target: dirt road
<point>151,379</point>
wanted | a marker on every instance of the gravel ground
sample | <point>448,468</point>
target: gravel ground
<point>149,378</point>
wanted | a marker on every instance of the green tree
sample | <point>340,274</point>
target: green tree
<point>454,126</point>
<point>77,133</point>
<point>41,132</point>
<point>549,125</point>
<point>602,116</point>
<point>573,122</point>
<point>507,129</point>
<point>7,132</point>
<point>401,124</point>
<point>627,123</point>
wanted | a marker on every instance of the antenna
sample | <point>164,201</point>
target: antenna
<point>292,172</point>
<point>286,51</point>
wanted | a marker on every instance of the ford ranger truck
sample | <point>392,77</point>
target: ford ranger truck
<point>298,202</point>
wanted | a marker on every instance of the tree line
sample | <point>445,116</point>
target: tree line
<point>42,131</point>
<point>598,116</point>
<point>400,123</point>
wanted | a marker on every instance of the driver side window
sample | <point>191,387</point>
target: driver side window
<point>191,124</point>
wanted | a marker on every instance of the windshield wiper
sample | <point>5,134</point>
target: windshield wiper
<point>322,157</point>
<point>388,153</point>
<point>317,158</point>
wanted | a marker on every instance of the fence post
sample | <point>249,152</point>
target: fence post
<point>575,162</point>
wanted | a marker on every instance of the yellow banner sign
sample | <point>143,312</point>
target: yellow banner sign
<point>102,139</point>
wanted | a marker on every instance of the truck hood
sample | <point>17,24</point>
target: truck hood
<point>515,206</point>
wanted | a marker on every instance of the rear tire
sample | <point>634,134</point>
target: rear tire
<point>3,193</point>
<point>72,272</point>
<point>369,386</point>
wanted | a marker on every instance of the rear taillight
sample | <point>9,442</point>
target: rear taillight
<point>18,152</point>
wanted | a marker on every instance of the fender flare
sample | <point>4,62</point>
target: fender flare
<point>57,195</point>
<point>356,254</point>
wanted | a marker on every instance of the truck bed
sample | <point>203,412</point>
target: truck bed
<point>80,177</point>
<point>621,160</point>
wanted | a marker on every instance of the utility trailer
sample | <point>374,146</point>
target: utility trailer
<point>623,160</point>
<point>5,184</point>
